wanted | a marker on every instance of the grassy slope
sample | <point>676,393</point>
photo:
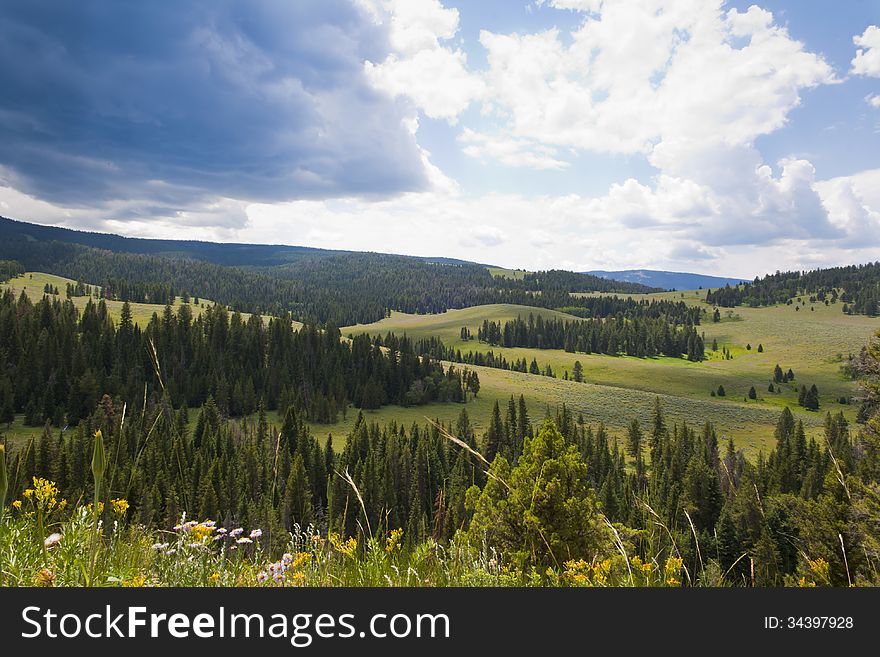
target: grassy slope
<point>619,388</point>
<point>810,342</point>
<point>501,272</point>
<point>33,283</point>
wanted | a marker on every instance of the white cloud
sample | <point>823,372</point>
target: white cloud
<point>867,59</point>
<point>510,151</point>
<point>576,5</point>
<point>433,75</point>
<point>641,73</point>
<point>853,204</point>
<point>873,100</point>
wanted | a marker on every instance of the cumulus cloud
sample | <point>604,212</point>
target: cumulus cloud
<point>423,67</point>
<point>689,85</point>
<point>510,151</point>
<point>867,59</point>
<point>853,204</point>
<point>642,73</point>
<point>873,100</point>
<point>105,102</point>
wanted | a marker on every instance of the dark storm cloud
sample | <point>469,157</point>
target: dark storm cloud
<point>180,102</point>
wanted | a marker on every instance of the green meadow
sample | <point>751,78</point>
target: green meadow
<point>812,341</point>
<point>33,284</point>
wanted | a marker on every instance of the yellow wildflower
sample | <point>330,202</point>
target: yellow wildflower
<point>672,569</point>
<point>214,578</point>
<point>120,506</point>
<point>601,571</point>
<point>202,531</point>
<point>16,505</point>
<point>347,548</point>
<point>28,492</point>
<point>577,571</point>
<point>300,559</point>
<point>45,492</point>
<point>393,541</point>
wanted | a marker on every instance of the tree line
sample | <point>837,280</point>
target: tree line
<point>641,336</point>
<point>856,287</point>
<point>57,363</point>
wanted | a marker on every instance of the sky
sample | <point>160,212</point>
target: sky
<point>718,137</point>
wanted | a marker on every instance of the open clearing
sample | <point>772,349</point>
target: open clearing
<point>33,284</point>
<point>813,343</point>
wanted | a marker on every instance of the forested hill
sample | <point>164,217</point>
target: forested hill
<point>856,288</point>
<point>342,288</point>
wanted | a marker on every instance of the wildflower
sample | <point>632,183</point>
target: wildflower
<point>300,559</point>
<point>287,558</point>
<point>672,569</point>
<point>235,533</point>
<point>819,572</point>
<point>297,577</point>
<point>160,546</point>
<point>16,505</point>
<point>347,548</point>
<point>262,577</point>
<point>135,582</point>
<point>243,540</point>
<point>393,541</point>
<point>222,531</point>
<point>215,577</point>
<point>120,506</point>
<point>278,577</point>
<point>201,531</point>
<point>28,492</point>
<point>256,533</point>
<point>44,578</point>
<point>52,540</point>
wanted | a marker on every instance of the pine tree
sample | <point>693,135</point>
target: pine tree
<point>297,497</point>
<point>494,439</point>
<point>753,394</point>
<point>811,398</point>
<point>634,439</point>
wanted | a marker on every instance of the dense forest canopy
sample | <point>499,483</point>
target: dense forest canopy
<point>856,288</point>
<point>642,330</point>
<point>341,288</point>
<point>56,364</point>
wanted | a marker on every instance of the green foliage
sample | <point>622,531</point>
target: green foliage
<point>542,512</point>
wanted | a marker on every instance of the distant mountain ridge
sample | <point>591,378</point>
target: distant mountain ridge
<point>226,254</point>
<point>668,280</point>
